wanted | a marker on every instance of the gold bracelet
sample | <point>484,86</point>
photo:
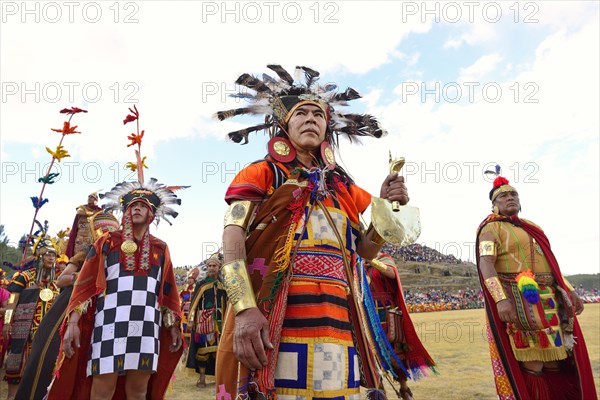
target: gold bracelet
<point>376,238</point>
<point>169,318</point>
<point>238,286</point>
<point>239,214</point>
<point>487,248</point>
<point>378,265</point>
<point>8,317</point>
<point>495,288</point>
<point>11,298</point>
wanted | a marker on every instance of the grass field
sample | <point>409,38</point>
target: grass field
<point>455,339</point>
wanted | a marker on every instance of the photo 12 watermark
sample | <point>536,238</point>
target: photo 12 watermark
<point>69,92</point>
<point>453,12</point>
<point>455,92</point>
<point>53,12</point>
<point>467,171</point>
<point>253,12</point>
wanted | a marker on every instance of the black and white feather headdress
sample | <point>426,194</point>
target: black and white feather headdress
<point>277,98</point>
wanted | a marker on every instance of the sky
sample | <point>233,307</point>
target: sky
<point>459,86</point>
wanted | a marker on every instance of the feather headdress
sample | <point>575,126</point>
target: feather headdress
<point>277,98</point>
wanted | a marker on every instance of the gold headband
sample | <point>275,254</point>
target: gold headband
<point>502,189</point>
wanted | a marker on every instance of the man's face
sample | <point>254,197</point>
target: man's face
<point>307,127</point>
<point>49,259</point>
<point>212,269</point>
<point>508,203</point>
<point>91,200</point>
<point>191,281</point>
<point>139,213</point>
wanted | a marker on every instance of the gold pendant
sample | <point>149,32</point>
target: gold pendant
<point>46,294</point>
<point>128,247</point>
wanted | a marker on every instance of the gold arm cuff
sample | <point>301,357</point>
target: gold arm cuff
<point>378,265</point>
<point>568,285</point>
<point>82,308</point>
<point>169,317</point>
<point>487,248</point>
<point>8,317</point>
<point>237,284</point>
<point>495,288</point>
<point>239,213</point>
<point>375,237</point>
<point>11,298</point>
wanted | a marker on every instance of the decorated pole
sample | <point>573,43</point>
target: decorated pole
<point>57,155</point>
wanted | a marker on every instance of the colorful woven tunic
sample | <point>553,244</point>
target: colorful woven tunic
<point>299,252</point>
<point>28,314</point>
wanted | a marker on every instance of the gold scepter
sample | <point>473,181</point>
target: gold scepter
<point>400,225</point>
<point>395,167</point>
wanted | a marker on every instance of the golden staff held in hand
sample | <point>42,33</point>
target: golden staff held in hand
<point>395,166</point>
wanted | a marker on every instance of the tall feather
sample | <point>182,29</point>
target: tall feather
<point>349,94</point>
<point>222,115</point>
<point>281,72</point>
<point>310,75</point>
<point>242,134</point>
<point>252,82</point>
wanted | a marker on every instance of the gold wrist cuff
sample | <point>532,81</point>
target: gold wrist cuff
<point>378,265</point>
<point>82,308</point>
<point>238,286</point>
<point>487,248</point>
<point>239,213</point>
<point>8,317</point>
<point>375,237</point>
<point>495,288</point>
<point>169,317</point>
<point>11,298</point>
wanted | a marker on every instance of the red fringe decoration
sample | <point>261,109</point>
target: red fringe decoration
<point>520,342</point>
<point>536,386</point>
<point>543,339</point>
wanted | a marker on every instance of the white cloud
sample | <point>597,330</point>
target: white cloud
<point>480,68</point>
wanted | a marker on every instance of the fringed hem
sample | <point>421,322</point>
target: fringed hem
<point>545,355</point>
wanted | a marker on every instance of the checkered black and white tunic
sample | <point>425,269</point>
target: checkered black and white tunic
<point>127,321</point>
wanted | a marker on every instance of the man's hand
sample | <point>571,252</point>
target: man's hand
<point>394,189</point>
<point>576,301</point>
<point>175,338</point>
<point>250,338</point>
<point>507,311</point>
<point>71,335</point>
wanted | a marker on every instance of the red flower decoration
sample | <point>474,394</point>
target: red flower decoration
<point>67,129</point>
<point>131,118</point>
<point>72,110</point>
<point>135,139</point>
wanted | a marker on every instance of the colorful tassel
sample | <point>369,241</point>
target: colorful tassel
<point>528,286</point>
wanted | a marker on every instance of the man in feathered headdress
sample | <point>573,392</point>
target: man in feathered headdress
<point>291,238</point>
<point>536,344</point>
<point>122,335</point>
<point>33,290</point>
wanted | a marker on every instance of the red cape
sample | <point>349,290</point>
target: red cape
<point>510,364</point>
<point>70,380</point>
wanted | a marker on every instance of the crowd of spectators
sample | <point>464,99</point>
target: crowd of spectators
<point>419,253</point>
<point>588,296</point>
<point>441,300</point>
